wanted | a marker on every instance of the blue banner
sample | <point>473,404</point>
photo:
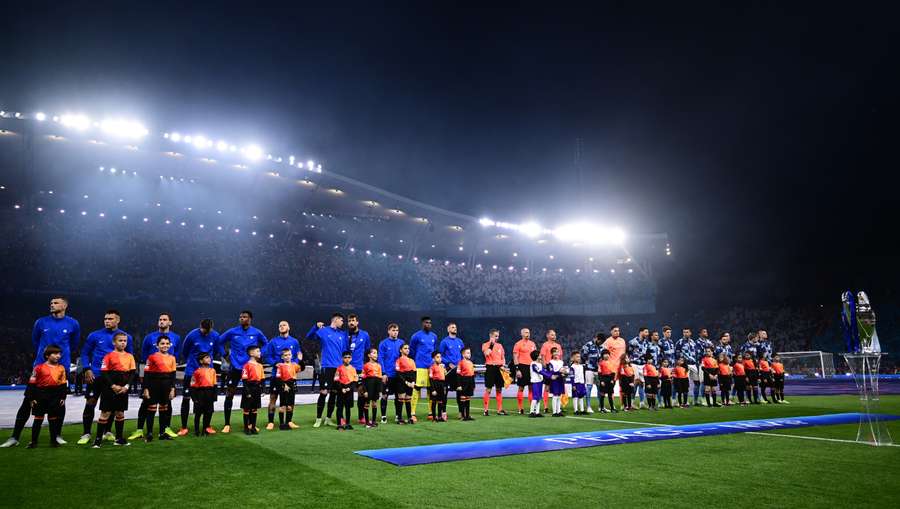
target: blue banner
<point>424,454</point>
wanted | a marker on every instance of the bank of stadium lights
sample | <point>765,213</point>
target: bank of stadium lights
<point>124,128</point>
<point>78,122</point>
<point>40,116</point>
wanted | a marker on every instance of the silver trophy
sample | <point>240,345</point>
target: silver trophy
<point>864,358</point>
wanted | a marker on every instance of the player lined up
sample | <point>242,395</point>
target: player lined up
<point>642,369</point>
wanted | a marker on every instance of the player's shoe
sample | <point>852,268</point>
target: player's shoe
<point>82,440</point>
<point>31,445</point>
<point>486,413</point>
<point>138,433</point>
<point>12,442</point>
<point>347,426</point>
<point>546,410</point>
<point>430,417</point>
<point>182,432</point>
<point>270,426</point>
<point>340,427</point>
<point>209,431</point>
<point>786,402</point>
<point>590,410</point>
<point>291,425</point>
<point>226,429</point>
<point>317,423</point>
<point>284,427</point>
<point>97,443</point>
<point>413,419</point>
<point>109,437</point>
<point>170,432</point>
<point>361,421</point>
<point>383,419</point>
<point>327,422</point>
<point>502,412</point>
<point>122,442</point>
<point>163,436</point>
<point>369,425</point>
<point>254,430</point>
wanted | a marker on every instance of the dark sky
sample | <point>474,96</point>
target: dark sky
<point>760,138</point>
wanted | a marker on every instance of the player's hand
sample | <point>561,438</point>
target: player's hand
<point>88,376</point>
<point>146,394</point>
<point>518,375</point>
<point>33,403</point>
<point>172,394</point>
<point>459,388</point>
<point>62,402</point>
<point>319,325</point>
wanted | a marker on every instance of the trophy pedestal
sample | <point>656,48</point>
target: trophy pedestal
<point>864,367</point>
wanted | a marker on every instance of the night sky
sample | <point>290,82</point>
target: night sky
<point>759,138</point>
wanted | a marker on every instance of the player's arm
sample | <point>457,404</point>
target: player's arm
<point>263,340</point>
<point>413,346</point>
<point>313,334</point>
<point>74,340</point>
<point>36,339</point>
<point>87,353</point>
<point>145,348</point>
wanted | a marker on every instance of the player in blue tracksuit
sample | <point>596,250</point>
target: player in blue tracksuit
<point>703,342</point>
<point>148,348</point>
<point>653,348</point>
<point>55,329</point>
<point>360,343</point>
<point>388,353</point>
<point>96,346</point>
<point>764,347</point>
<point>686,348</point>
<point>591,356</point>
<point>238,339</point>
<point>451,353</point>
<point>334,342</point>
<point>667,345</point>
<point>724,346</point>
<point>271,355</point>
<point>200,340</point>
<point>421,345</point>
<point>637,349</point>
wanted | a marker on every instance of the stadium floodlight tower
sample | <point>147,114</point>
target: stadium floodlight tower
<point>864,356</point>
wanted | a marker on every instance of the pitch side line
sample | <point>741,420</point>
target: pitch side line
<point>802,437</point>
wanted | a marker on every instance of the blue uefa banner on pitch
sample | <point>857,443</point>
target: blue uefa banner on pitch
<point>424,454</point>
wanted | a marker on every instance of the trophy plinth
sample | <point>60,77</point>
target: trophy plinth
<point>864,367</point>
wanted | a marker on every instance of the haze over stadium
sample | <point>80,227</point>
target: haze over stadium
<point>578,172</point>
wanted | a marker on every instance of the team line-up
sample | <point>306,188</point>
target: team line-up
<point>642,371</point>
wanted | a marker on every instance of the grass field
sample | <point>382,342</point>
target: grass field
<point>316,467</point>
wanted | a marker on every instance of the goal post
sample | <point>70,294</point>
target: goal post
<point>812,364</point>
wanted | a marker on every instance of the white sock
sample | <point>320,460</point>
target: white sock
<point>532,406</point>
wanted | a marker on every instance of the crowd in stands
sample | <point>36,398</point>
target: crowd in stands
<point>451,284</point>
<point>158,262</point>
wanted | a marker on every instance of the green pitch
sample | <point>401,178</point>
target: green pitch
<point>316,467</point>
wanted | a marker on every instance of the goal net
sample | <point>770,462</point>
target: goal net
<point>815,364</point>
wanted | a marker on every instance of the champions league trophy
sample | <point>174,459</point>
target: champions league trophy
<point>864,356</point>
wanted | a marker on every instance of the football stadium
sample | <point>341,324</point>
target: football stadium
<point>446,256</point>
